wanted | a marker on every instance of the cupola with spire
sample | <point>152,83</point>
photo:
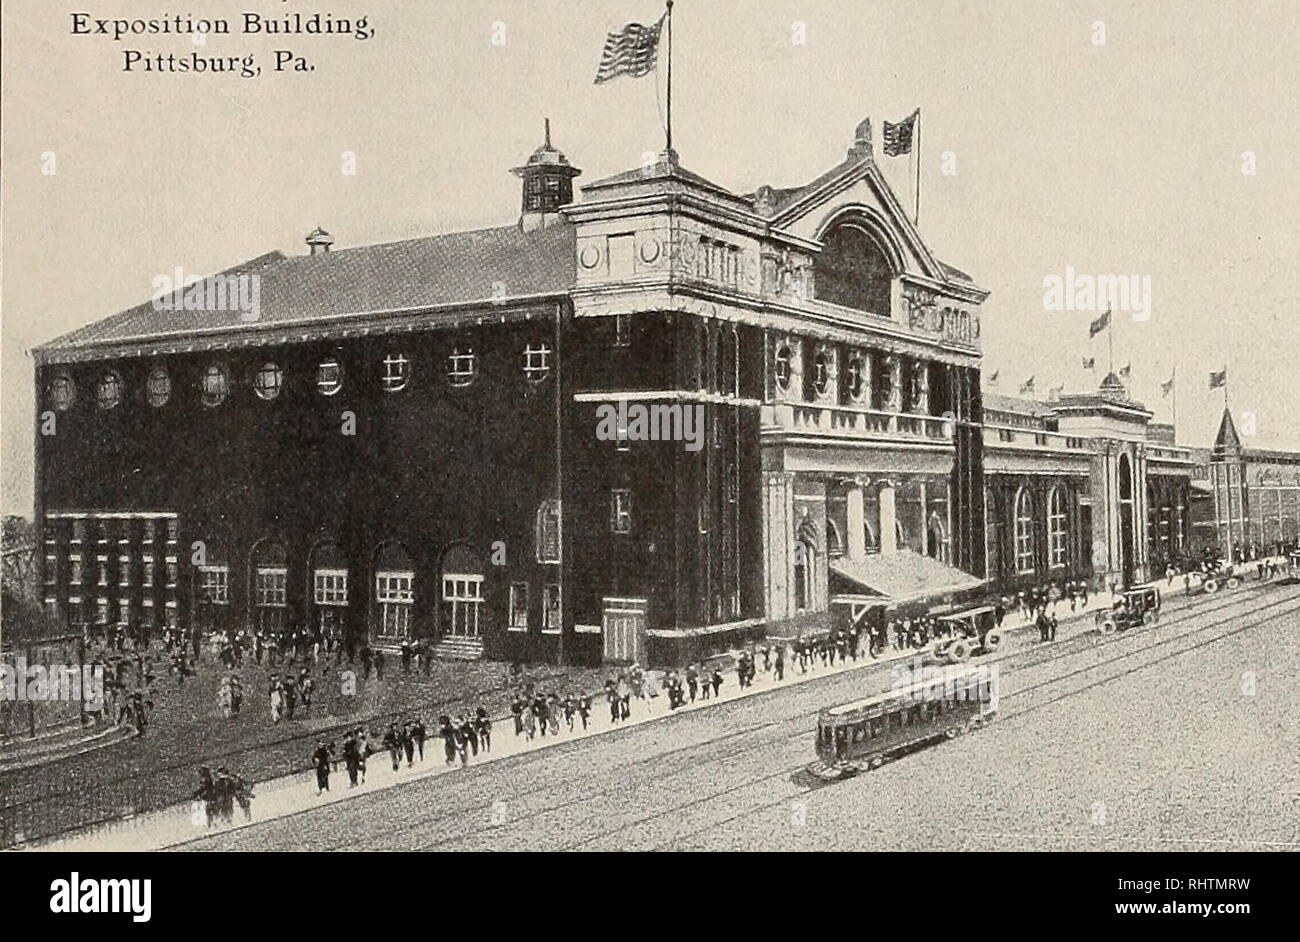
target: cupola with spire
<point>548,185</point>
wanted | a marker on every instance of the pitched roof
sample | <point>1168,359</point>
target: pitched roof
<point>455,268</point>
<point>999,403</point>
<point>1227,439</point>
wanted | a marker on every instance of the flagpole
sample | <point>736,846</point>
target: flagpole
<point>669,129</point>
<point>917,220</point>
<point>1173,378</point>
<point>1110,337</point>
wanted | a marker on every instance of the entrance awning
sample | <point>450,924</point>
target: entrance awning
<point>899,577</point>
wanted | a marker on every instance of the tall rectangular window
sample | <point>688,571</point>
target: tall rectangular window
<point>395,597</point>
<point>519,606</point>
<point>620,510</point>
<point>547,535</point>
<point>551,614</point>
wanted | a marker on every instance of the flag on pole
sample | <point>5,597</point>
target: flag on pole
<point>1168,386</point>
<point>1126,370</point>
<point>1089,363</point>
<point>1220,379</point>
<point>993,380</point>
<point>898,137</point>
<point>633,52</point>
<point>1027,387</point>
<point>1099,325</point>
<point>1055,392</point>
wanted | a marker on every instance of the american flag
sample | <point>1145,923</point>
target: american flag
<point>898,137</point>
<point>1167,387</point>
<point>1089,363</point>
<point>633,52</point>
<point>1126,370</point>
<point>1027,387</point>
<point>1219,379</point>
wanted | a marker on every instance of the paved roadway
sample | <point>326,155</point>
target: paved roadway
<point>1146,741</point>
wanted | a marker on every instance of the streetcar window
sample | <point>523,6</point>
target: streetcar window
<point>895,720</point>
<point>877,725</point>
<point>915,714</point>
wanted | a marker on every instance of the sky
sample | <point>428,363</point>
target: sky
<point>1110,138</point>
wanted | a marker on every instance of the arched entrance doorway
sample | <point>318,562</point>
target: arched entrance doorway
<point>1126,519</point>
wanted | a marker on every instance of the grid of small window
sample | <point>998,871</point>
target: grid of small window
<point>397,372</point>
<point>329,377</point>
<point>462,365</point>
<point>108,394</point>
<point>330,586</point>
<point>63,392</point>
<point>215,385</point>
<point>158,387</point>
<point>270,587</point>
<point>268,380</point>
<point>537,362</point>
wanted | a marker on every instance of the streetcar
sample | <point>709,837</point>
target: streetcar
<point>1138,605</point>
<point>865,734</point>
<point>972,631</point>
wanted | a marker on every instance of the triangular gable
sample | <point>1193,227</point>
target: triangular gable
<point>858,184</point>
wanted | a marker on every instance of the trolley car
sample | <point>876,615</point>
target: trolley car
<point>973,631</point>
<point>867,733</point>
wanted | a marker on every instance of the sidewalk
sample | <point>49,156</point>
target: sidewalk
<point>291,794</point>
<point>295,793</point>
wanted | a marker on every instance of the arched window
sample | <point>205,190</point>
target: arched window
<point>834,545</point>
<point>853,270</point>
<point>803,575</point>
<point>1056,527</point>
<point>212,586</point>
<point>270,586</point>
<point>462,592</point>
<point>329,591</point>
<point>394,594</point>
<point>1024,532</point>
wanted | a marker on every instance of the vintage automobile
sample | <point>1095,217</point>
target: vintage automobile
<point>972,631</point>
<point>1138,605</point>
<point>1222,577</point>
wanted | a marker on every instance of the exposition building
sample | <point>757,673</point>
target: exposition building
<point>405,440</point>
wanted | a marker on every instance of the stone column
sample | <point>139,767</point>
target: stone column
<point>888,518</point>
<point>857,524</point>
